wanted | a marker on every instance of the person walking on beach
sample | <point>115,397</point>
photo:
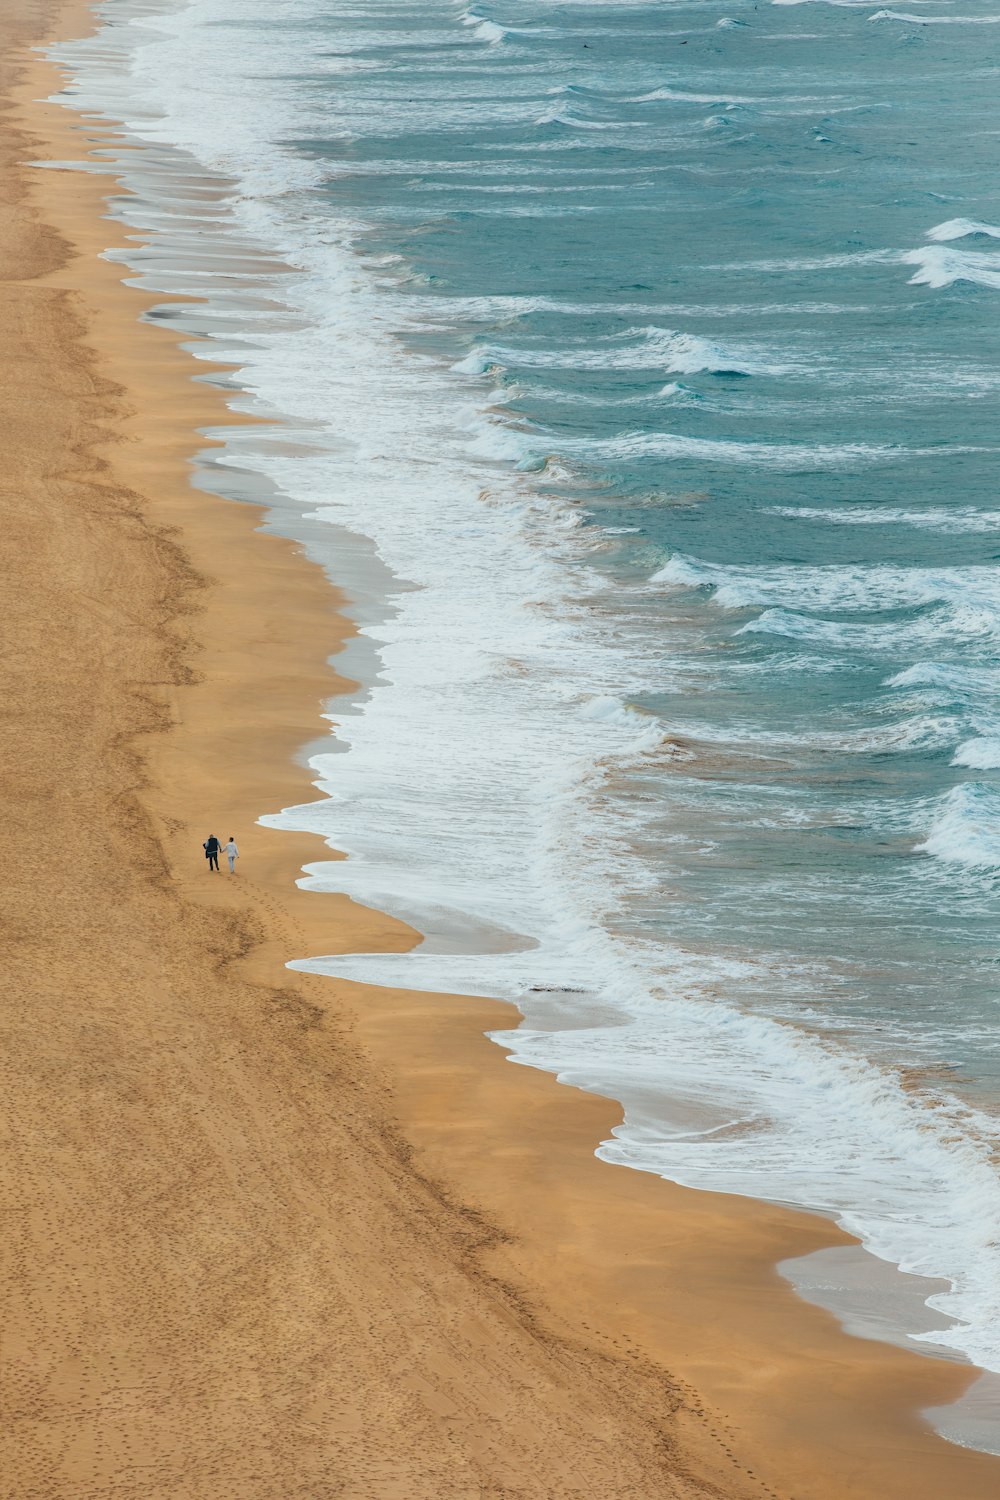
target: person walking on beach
<point>212,847</point>
<point>232,854</point>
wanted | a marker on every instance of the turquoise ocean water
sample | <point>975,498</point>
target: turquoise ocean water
<point>655,350</point>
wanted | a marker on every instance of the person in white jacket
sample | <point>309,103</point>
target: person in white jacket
<point>232,854</point>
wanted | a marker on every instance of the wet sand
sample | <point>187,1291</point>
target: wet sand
<point>269,1235</point>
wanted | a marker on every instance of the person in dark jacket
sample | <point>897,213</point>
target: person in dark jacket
<point>212,847</point>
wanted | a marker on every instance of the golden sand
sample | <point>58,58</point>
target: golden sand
<point>270,1236</point>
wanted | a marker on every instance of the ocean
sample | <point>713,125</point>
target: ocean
<point>638,370</point>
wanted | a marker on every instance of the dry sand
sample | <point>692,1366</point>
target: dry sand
<point>274,1236</point>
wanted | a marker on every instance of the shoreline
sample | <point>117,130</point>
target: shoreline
<point>561,1258</point>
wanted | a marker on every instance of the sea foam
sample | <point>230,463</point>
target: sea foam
<point>960,229</point>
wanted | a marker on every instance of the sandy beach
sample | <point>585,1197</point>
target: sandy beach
<point>269,1235</point>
